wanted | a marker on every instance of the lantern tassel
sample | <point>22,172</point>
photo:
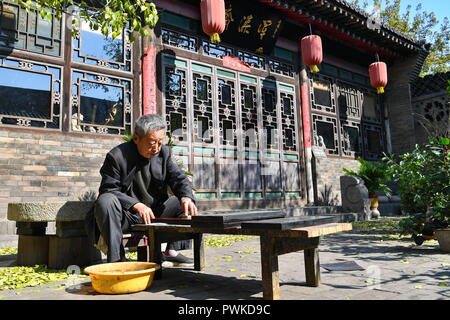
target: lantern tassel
<point>380,90</point>
<point>314,68</point>
<point>215,38</point>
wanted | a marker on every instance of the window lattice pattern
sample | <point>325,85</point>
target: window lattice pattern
<point>216,50</point>
<point>29,31</point>
<point>326,132</point>
<point>92,47</point>
<point>270,118</point>
<point>322,94</point>
<point>227,112</point>
<point>30,94</point>
<point>373,141</point>
<point>100,103</point>
<point>179,40</point>
<point>253,60</point>
<point>176,102</point>
<point>288,122</point>
<point>249,112</point>
<point>203,108</point>
<point>349,102</point>
<point>351,143</point>
<point>281,68</point>
<point>235,108</point>
<point>370,107</point>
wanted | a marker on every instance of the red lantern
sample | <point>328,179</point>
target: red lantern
<point>213,18</point>
<point>378,76</point>
<point>311,47</point>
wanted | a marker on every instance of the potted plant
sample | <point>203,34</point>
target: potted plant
<point>424,181</point>
<point>374,174</point>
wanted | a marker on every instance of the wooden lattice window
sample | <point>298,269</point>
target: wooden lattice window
<point>100,103</point>
<point>30,93</point>
<point>24,30</point>
<point>348,102</point>
<point>325,129</point>
<point>351,142</point>
<point>322,95</point>
<point>179,40</point>
<point>92,47</point>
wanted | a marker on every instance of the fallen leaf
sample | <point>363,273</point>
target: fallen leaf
<point>404,261</point>
<point>242,276</point>
<point>418,287</point>
<point>442,284</point>
<point>444,277</point>
<point>232,270</point>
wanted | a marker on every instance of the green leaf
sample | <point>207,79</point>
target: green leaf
<point>444,141</point>
<point>442,284</point>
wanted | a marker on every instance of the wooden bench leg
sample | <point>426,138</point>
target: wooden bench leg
<point>154,252</point>
<point>199,252</point>
<point>142,253</point>
<point>312,267</point>
<point>269,268</point>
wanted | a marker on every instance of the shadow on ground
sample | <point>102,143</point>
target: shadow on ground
<point>188,284</point>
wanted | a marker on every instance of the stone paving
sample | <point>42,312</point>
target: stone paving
<point>394,269</point>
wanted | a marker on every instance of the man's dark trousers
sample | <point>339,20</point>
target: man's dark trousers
<point>113,221</point>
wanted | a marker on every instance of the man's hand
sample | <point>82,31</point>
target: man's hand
<point>188,206</point>
<point>144,212</point>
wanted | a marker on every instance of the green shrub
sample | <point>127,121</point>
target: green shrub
<point>374,175</point>
<point>424,181</point>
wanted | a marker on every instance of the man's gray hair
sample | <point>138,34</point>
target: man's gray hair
<point>149,122</point>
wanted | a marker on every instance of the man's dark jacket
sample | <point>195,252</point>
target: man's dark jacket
<point>118,172</point>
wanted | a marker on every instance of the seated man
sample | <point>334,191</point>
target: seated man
<point>133,190</point>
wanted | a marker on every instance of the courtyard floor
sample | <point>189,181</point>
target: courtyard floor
<point>390,268</point>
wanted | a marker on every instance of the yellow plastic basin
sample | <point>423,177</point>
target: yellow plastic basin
<point>122,277</point>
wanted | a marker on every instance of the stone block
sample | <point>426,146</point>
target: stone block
<point>31,228</point>
<point>78,251</point>
<point>49,211</point>
<point>32,250</point>
<point>354,195</point>
<point>70,229</point>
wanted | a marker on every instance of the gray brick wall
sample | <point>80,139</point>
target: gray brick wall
<point>398,102</point>
<point>327,175</point>
<point>47,167</point>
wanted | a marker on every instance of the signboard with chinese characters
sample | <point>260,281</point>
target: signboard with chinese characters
<point>251,25</point>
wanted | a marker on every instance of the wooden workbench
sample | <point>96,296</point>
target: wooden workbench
<point>273,243</point>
